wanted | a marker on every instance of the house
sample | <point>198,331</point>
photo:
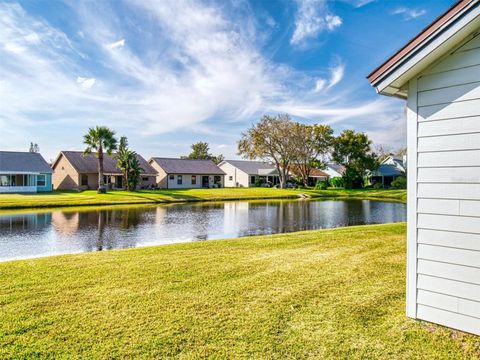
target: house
<point>187,173</point>
<point>243,173</point>
<point>390,168</point>
<point>334,170</point>
<point>72,170</point>
<point>24,172</point>
<point>438,74</point>
<point>314,176</point>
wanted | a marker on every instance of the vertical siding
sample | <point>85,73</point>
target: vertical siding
<point>238,177</point>
<point>48,184</point>
<point>446,181</point>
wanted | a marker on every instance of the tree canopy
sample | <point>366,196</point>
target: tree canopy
<point>271,140</point>
<point>201,151</point>
<point>353,150</point>
<point>100,140</point>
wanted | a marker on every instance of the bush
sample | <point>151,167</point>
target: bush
<point>378,185</point>
<point>400,182</point>
<point>321,185</point>
<point>336,182</point>
<point>259,182</point>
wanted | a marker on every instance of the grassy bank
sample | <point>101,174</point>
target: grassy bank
<point>319,294</point>
<point>90,198</point>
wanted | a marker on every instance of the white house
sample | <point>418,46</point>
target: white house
<point>187,173</point>
<point>390,168</point>
<point>334,170</point>
<point>242,173</point>
<point>438,73</point>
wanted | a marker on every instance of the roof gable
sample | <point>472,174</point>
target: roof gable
<point>23,162</point>
<point>253,167</point>
<point>88,163</point>
<point>187,166</point>
<point>441,37</point>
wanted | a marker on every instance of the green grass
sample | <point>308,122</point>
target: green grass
<point>90,198</point>
<point>318,294</point>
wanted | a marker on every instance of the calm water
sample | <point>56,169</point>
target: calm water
<point>27,235</point>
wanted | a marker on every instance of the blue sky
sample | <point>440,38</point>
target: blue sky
<point>170,73</point>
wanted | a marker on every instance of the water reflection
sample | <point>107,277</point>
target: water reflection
<point>25,235</point>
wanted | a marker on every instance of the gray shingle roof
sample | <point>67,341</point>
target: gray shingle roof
<point>387,170</point>
<point>88,164</point>
<point>188,166</point>
<point>337,167</point>
<point>23,162</point>
<point>253,167</point>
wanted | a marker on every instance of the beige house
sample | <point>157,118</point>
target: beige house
<point>187,173</point>
<point>72,170</point>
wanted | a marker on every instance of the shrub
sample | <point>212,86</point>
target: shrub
<point>336,182</point>
<point>378,185</point>
<point>321,185</point>
<point>259,182</point>
<point>400,182</point>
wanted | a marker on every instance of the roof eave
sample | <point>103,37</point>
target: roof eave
<point>393,81</point>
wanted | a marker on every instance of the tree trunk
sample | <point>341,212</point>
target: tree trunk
<point>125,177</point>
<point>283,178</point>
<point>101,183</point>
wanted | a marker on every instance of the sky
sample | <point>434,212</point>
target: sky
<point>167,73</point>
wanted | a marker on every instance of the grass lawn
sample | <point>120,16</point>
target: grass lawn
<point>318,294</point>
<point>71,198</point>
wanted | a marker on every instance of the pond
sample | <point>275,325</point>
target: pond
<point>43,233</point>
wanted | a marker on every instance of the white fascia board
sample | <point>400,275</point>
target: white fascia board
<point>438,47</point>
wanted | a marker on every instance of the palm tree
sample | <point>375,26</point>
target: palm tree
<point>124,158</point>
<point>135,171</point>
<point>100,139</point>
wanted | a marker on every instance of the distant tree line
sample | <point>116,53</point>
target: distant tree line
<point>288,144</point>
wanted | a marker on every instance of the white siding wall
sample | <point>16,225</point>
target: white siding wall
<point>238,177</point>
<point>444,182</point>
<point>187,181</point>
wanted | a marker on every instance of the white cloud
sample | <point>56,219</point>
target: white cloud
<point>311,19</point>
<point>320,85</point>
<point>360,3</point>
<point>204,69</point>
<point>116,44</point>
<point>409,13</point>
<point>85,83</point>
<point>332,22</point>
<point>336,74</point>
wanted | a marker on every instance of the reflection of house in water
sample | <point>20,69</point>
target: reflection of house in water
<point>66,223</point>
<point>97,230</point>
<point>25,221</point>
<point>235,217</point>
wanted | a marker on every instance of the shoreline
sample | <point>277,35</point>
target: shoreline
<point>59,199</point>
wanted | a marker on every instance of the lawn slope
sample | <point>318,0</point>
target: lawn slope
<point>91,198</point>
<point>318,294</point>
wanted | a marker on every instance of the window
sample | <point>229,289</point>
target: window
<point>230,178</point>
<point>194,179</point>
<point>252,179</point>
<point>84,180</point>
<point>4,180</point>
<point>179,179</point>
<point>172,177</point>
<point>144,178</point>
<point>41,180</point>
